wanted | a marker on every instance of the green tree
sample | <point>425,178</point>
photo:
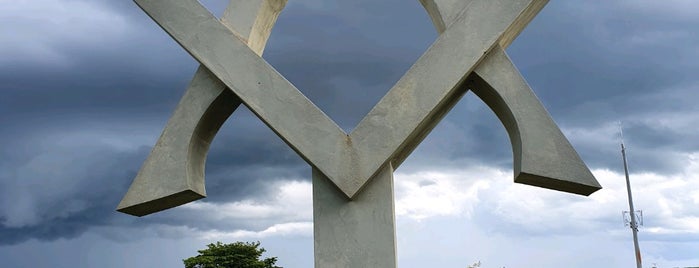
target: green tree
<point>234,255</point>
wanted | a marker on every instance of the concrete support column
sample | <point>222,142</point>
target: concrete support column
<point>354,233</point>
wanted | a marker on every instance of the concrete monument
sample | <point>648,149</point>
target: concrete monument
<point>353,204</point>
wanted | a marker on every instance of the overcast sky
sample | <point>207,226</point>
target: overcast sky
<point>87,86</point>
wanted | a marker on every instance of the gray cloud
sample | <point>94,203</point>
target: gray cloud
<point>347,70</point>
<point>593,66</point>
<point>61,191</point>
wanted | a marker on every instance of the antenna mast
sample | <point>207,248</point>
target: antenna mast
<point>632,213</point>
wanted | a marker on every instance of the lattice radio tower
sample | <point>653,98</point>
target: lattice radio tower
<point>634,217</point>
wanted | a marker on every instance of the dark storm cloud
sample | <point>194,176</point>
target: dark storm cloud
<point>61,191</point>
<point>58,176</point>
<point>60,186</point>
<point>136,72</point>
<point>610,54</point>
<point>346,69</point>
<point>592,66</point>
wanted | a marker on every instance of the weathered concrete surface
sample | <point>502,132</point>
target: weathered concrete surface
<point>173,173</point>
<point>543,156</point>
<point>358,232</point>
<point>409,111</point>
<point>352,174</point>
<point>444,12</point>
<point>253,20</point>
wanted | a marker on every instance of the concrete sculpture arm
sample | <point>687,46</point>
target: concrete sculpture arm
<point>543,156</point>
<point>412,108</point>
<point>173,173</point>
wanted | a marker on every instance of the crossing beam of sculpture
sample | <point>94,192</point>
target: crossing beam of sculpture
<point>352,173</point>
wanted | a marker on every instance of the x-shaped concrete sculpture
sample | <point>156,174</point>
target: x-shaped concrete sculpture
<point>352,173</point>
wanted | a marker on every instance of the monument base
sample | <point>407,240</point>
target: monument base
<point>358,232</point>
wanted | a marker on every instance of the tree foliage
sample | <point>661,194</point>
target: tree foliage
<point>234,255</point>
